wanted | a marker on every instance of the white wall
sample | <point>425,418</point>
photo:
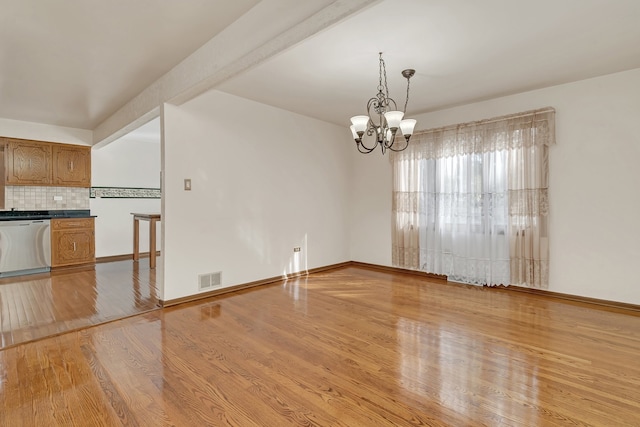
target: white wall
<point>124,163</point>
<point>264,181</point>
<point>43,132</point>
<point>594,177</point>
<point>370,230</point>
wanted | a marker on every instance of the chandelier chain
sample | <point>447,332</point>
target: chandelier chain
<point>380,87</point>
<point>407,98</point>
<point>383,72</point>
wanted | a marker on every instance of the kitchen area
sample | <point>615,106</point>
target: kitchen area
<point>49,279</point>
<point>28,245</point>
<point>46,222</point>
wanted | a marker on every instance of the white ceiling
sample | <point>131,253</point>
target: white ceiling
<point>462,50</point>
<point>75,62</point>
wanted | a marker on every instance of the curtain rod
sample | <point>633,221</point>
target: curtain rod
<point>491,120</point>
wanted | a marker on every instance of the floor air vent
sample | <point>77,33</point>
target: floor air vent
<point>209,281</point>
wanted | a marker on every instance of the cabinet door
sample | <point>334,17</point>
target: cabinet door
<point>72,242</point>
<point>28,163</point>
<point>71,166</point>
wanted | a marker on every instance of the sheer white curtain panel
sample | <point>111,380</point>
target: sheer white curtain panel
<point>471,201</point>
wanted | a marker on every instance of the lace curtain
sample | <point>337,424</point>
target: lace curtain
<point>471,201</point>
<point>407,190</point>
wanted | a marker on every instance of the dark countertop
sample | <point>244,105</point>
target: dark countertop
<point>31,215</point>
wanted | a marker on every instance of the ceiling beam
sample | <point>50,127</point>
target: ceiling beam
<point>267,29</point>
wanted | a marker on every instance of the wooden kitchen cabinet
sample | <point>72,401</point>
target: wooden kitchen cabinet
<point>71,166</point>
<point>45,163</point>
<point>72,241</point>
<point>28,162</point>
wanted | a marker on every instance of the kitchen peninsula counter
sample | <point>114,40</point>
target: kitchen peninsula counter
<point>44,214</point>
<point>36,241</point>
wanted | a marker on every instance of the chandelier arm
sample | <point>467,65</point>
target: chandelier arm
<point>365,146</point>
<point>387,104</point>
<point>364,149</point>
<point>406,144</point>
<point>373,103</point>
<point>389,143</point>
<point>371,130</point>
<point>390,101</point>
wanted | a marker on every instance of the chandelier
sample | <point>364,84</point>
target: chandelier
<point>383,118</point>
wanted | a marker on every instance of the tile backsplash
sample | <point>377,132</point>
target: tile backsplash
<point>24,198</point>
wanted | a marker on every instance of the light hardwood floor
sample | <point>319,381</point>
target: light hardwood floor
<point>347,347</point>
<point>42,305</point>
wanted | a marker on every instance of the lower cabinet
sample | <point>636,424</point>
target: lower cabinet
<point>72,241</point>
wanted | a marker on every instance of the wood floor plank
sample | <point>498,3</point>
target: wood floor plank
<point>251,363</point>
<point>37,306</point>
<point>348,347</point>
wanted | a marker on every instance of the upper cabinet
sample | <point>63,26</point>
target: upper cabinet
<point>28,163</point>
<point>44,163</point>
<point>71,166</point>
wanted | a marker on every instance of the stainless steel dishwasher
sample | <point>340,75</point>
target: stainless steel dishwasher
<point>25,247</point>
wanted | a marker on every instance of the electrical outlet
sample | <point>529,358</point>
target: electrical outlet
<point>296,249</point>
<point>57,198</point>
<point>187,184</point>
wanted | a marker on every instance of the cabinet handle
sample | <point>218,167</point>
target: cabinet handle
<point>71,165</point>
<point>74,246</point>
<point>29,163</point>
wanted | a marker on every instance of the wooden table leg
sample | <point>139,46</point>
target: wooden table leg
<point>153,220</point>
<point>136,239</point>
<point>152,243</point>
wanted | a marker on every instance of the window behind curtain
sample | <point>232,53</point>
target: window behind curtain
<point>470,201</point>
<point>464,212</point>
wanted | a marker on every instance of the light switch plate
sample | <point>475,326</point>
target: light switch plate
<point>187,184</point>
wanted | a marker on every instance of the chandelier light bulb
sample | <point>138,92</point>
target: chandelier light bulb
<point>393,118</point>
<point>360,123</point>
<point>389,135</point>
<point>354,133</point>
<point>407,126</point>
